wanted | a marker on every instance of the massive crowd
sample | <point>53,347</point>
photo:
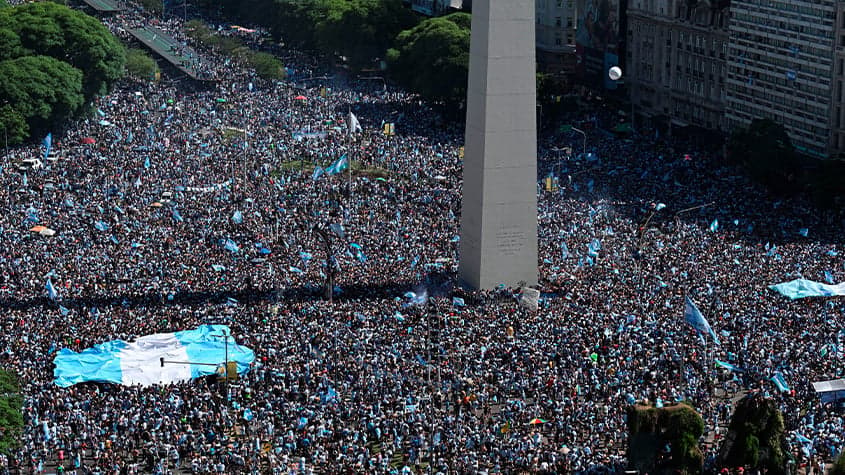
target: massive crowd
<point>143,196</point>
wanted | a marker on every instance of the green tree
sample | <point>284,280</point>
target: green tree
<point>15,128</point>
<point>765,150</point>
<point>153,6</point>
<point>267,66</point>
<point>360,30</point>
<point>839,466</point>
<point>139,64</point>
<point>50,29</point>
<point>433,57</point>
<point>11,412</point>
<point>44,91</point>
<point>677,427</point>
<point>755,436</point>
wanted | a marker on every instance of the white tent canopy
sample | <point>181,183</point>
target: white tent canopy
<point>830,391</point>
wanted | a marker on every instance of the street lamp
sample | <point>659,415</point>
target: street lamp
<point>569,128</point>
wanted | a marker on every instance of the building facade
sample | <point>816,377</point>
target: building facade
<point>676,62</point>
<point>435,7</point>
<point>555,30</point>
<point>785,62</point>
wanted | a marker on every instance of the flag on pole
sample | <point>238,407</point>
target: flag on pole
<point>48,143</point>
<point>51,291</point>
<point>338,166</point>
<point>714,226</point>
<point>318,172</point>
<point>352,124</point>
<point>780,382</point>
<point>697,320</point>
<point>337,228</point>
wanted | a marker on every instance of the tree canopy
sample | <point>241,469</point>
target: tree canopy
<point>433,57</point>
<point>11,415</point>
<point>53,60</point>
<point>765,150</point>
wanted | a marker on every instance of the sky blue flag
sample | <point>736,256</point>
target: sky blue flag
<point>564,250</point>
<point>305,256</point>
<point>338,166</point>
<point>328,396</point>
<point>804,232</point>
<point>295,270</point>
<point>729,366</point>
<point>218,268</point>
<point>318,172</point>
<point>714,226</point>
<point>51,291</point>
<point>230,246</point>
<point>101,226</point>
<point>338,230</point>
<point>358,252</point>
<point>458,302</point>
<point>25,181</point>
<point>594,247</point>
<point>802,288</point>
<point>828,277</point>
<point>177,216</point>
<point>659,206</point>
<point>129,137</point>
<point>147,162</point>
<point>697,320</point>
<point>138,362</point>
<point>780,382</point>
<point>64,311</point>
<point>48,143</point>
<point>238,217</point>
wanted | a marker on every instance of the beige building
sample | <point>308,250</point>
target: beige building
<point>555,30</point>
<point>785,62</point>
<point>676,61</point>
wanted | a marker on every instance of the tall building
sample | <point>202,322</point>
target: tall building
<point>435,7</point>
<point>676,61</point>
<point>785,62</point>
<point>556,24</point>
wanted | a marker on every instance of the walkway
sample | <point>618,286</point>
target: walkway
<point>168,48</point>
<point>108,6</point>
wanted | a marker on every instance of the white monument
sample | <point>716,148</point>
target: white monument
<point>499,216</point>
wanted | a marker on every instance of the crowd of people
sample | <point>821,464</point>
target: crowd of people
<point>181,204</point>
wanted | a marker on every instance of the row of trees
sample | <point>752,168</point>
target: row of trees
<point>11,410</point>
<point>430,57</point>
<point>53,61</point>
<point>265,65</point>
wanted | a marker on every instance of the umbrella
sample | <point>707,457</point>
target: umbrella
<point>47,232</point>
<point>88,140</point>
<point>38,229</point>
<point>537,421</point>
<point>220,99</point>
<point>157,205</point>
<point>300,98</point>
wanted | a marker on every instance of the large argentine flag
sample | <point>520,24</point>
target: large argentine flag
<point>801,288</point>
<point>139,362</point>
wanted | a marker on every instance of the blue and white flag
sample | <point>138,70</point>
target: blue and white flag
<point>338,230</point>
<point>777,378</point>
<point>147,162</point>
<point>140,362</point>
<point>101,226</point>
<point>714,226</point>
<point>64,311</point>
<point>48,144</point>
<point>51,291</point>
<point>802,288</point>
<point>231,246</point>
<point>594,247</point>
<point>804,232</point>
<point>828,277</point>
<point>697,320</point>
<point>338,166</point>
<point>177,216</point>
<point>318,172</point>
<point>237,217</point>
<point>729,366</point>
<point>305,257</point>
<point>25,181</point>
<point>659,206</point>
<point>416,298</point>
<point>358,252</point>
<point>564,250</point>
<point>295,270</point>
<point>458,302</point>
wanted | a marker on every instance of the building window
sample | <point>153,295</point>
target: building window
<point>558,22</point>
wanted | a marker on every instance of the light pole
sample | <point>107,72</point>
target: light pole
<point>569,128</point>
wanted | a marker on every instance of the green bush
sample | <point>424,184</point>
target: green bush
<point>755,436</point>
<point>267,66</point>
<point>839,465</point>
<point>11,415</point>
<point>651,429</point>
<point>139,64</point>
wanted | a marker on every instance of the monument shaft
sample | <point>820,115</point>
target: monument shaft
<point>499,215</point>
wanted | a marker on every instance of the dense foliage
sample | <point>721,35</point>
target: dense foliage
<point>433,57</point>
<point>665,440</point>
<point>839,466</point>
<point>11,416</point>
<point>358,30</point>
<point>765,150</point>
<point>53,60</point>
<point>266,65</point>
<point>140,64</point>
<point>755,436</point>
